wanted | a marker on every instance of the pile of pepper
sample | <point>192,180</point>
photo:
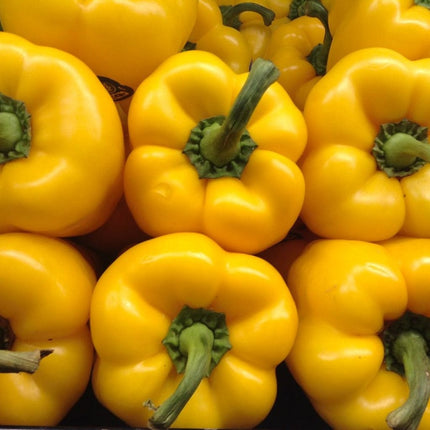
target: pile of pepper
<point>195,193</point>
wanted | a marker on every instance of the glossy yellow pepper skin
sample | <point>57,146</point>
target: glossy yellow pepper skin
<point>258,35</point>
<point>210,34</point>
<point>401,25</point>
<point>121,40</point>
<point>354,190</point>
<point>143,290</point>
<point>163,188</point>
<point>45,296</point>
<point>71,178</point>
<point>348,293</point>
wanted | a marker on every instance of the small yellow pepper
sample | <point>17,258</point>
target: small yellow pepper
<point>298,44</point>
<point>361,349</point>
<point>292,49</point>
<point>205,161</point>
<point>119,39</point>
<point>45,292</point>
<point>401,25</point>
<point>180,303</point>
<point>366,161</point>
<point>210,34</point>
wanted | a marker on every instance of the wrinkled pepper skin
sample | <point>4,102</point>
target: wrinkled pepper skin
<point>162,187</point>
<point>71,179</point>
<point>134,303</point>
<point>210,34</point>
<point>348,194</point>
<point>121,40</point>
<point>346,292</point>
<point>401,25</point>
<point>45,293</point>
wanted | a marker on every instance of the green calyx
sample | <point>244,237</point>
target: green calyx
<point>210,162</point>
<point>15,129</point>
<point>314,8</point>
<point>221,146</point>
<point>196,341</point>
<point>17,361</point>
<point>401,149</point>
<point>406,343</point>
<point>231,14</point>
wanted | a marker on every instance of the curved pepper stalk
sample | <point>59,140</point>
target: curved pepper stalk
<point>230,14</point>
<point>196,341</point>
<point>17,361</point>
<point>318,57</point>
<point>221,146</point>
<point>406,348</point>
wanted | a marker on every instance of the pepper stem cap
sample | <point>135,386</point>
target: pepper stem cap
<point>15,129</point>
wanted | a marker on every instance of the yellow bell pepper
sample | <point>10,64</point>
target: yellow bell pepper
<point>360,353</point>
<point>366,161</point>
<point>189,335</point>
<point>119,39</point>
<point>45,292</point>
<point>61,142</point>
<point>210,34</point>
<point>244,197</point>
<point>401,25</point>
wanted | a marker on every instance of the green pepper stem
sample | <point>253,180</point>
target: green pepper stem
<point>410,348</point>
<point>230,14</point>
<point>196,343</point>
<point>402,149</point>
<point>221,143</point>
<point>21,361</point>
